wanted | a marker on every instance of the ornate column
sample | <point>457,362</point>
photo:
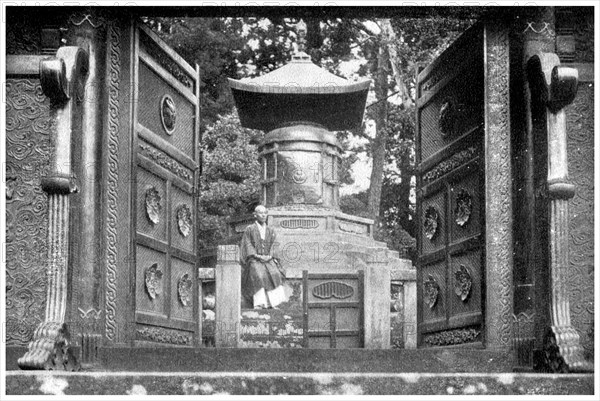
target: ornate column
<point>555,87</point>
<point>88,31</point>
<point>498,190</point>
<point>62,79</point>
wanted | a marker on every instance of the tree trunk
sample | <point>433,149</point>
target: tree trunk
<point>378,149</point>
<point>389,39</point>
<point>403,205</point>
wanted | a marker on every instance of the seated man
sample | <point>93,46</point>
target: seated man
<point>262,274</point>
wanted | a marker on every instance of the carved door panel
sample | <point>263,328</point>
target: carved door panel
<point>166,159</point>
<point>333,310</point>
<point>450,195</point>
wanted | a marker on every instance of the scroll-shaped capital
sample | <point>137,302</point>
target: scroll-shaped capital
<point>563,87</point>
<point>553,87</point>
<point>63,80</point>
<point>556,84</point>
<point>53,77</point>
<point>63,76</point>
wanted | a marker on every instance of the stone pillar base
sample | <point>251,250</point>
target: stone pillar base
<point>562,352</point>
<point>50,349</point>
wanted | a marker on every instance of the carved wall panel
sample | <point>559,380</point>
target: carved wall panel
<point>165,161</point>
<point>162,335</point>
<point>580,131</point>
<point>165,61</point>
<point>28,152</point>
<point>333,289</point>
<point>293,224</point>
<point>453,337</point>
<point>23,36</point>
<point>325,290</point>
<point>153,89</point>
<point>112,178</point>
<point>449,164</point>
<point>498,216</point>
<point>454,110</point>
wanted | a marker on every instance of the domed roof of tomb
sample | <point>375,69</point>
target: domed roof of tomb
<point>300,131</point>
<point>300,91</point>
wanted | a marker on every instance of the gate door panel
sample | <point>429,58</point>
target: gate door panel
<point>450,195</point>
<point>165,118</point>
<point>333,310</point>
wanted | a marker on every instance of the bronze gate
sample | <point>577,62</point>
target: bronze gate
<point>165,172</point>
<point>333,310</point>
<point>450,195</point>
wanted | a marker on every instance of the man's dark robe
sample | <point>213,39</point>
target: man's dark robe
<point>257,274</point>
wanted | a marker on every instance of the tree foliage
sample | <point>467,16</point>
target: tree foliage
<point>229,183</point>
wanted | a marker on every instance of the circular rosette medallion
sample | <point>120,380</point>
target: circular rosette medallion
<point>184,220</point>
<point>430,222</point>
<point>153,277</point>
<point>431,290</point>
<point>464,208</point>
<point>153,206</point>
<point>298,174</point>
<point>447,117</point>
<point>168,113</point>
<point>463,282</point>
<point>184,290</point>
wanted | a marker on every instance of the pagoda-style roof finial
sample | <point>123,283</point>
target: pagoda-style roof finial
<point>301,32</point>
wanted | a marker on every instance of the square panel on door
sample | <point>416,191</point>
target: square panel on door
<point>151,278</point>
<point>182,290</point>
<point>151,205</point>
<point>182,229</point>
<point>433,302</point>
<point>433,227</point>
<point>465,292</point>
<point>465,207</point>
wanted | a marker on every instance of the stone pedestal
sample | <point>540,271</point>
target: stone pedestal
<point>410,314</point>
<point>228,279</point>
<point>377,307</point>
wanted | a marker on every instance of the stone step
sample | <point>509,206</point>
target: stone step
<point>294,383</point>
<point>183,359</point>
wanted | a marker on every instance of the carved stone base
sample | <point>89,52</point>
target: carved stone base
<point>50,349</point>
<point>90,343</point>
<point>563,352</point>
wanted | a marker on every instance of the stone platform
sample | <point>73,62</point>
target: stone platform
<point>353,360</point>
<point>254,383</point>
<point>178,371</point>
